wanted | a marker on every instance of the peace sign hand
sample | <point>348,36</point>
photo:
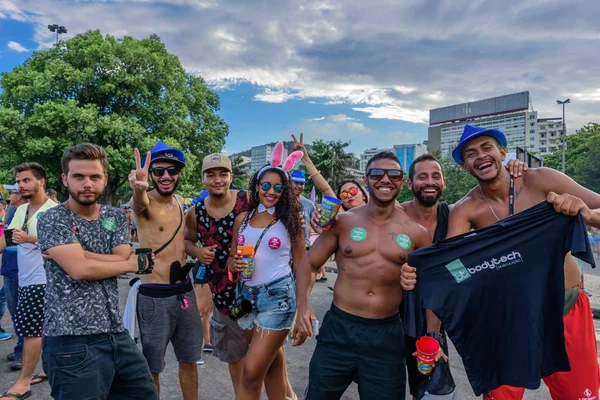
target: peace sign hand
<point>138,177</point>
<point>299,145</point>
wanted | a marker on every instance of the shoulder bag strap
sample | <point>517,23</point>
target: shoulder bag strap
<point>176,231</point>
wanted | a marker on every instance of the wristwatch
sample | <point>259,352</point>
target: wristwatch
<point>439,337</point>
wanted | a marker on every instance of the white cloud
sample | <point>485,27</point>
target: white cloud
<point>337,123</point>
<point>18,47</point>
<point>392,60</point>
<point>395,112</point>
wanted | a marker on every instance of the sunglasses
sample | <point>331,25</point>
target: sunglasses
<point>266,186</point>
<point>160,171</point>
<point>377,174</point>
<point>346,193</point>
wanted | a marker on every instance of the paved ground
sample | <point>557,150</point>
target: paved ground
<point>214,378</point>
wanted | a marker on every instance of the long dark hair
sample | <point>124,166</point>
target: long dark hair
<point>287,209</point>
<point>358,185</point>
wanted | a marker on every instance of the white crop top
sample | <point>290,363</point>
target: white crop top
<point>272,259</point>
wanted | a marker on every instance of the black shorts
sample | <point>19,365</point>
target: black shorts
<point>369,352</point>
<point>29,321</point>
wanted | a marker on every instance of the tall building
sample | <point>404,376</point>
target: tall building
<point>511,114</point>
<point>261,155</point>
<point>406,153</point>
<point>367,154</point>
<point>549,131</point>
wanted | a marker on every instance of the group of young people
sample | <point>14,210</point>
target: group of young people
<point>378,311</point>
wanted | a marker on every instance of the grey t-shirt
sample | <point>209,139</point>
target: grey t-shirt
<point>308,207</point>
<point>81,307</point>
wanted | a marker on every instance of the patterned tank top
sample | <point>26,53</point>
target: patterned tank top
<point>219,232</point>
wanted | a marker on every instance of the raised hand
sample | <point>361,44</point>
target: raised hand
<point>138,178</point>
<point>299,145</point>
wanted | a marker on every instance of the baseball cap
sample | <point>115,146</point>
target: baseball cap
<point>11,187</point>
<point>471,132</point>
<point>298,176</point>
<point>162,152</point>
<point>216,160</point>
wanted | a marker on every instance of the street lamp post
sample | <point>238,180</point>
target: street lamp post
<point>564,135</point>
<point>58,29</point>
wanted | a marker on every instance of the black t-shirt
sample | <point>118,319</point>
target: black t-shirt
<point>412,308</point>
<point>499,292</point>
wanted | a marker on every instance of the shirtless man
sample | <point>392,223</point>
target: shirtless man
<point>480,152</point>
<point>362,337</point>
<point>166,310</point>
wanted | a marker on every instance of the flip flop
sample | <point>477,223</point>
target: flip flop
<point>17,396</point>
<point>42,378</point>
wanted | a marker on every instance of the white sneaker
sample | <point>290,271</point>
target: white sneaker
<point>200,361</point>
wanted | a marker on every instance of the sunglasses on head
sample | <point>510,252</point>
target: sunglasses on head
<point>377,174</point>
<point>353,191</point>
<point>266,186</point>
<point>160,171</point>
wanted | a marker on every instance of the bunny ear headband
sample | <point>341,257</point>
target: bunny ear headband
<point>277,157</point>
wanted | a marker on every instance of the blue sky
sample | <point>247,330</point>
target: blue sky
<point>367,72</point>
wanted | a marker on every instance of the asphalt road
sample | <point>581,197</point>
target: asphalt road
<point>213,376</point>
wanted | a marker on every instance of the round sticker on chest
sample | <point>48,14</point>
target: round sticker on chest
<point>357,234</point>
<point>109,224</point>
<point>403,241</point>
<point>274,243</point>
<point>241,240</point>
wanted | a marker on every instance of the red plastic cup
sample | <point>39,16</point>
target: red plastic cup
<point>427,349</point>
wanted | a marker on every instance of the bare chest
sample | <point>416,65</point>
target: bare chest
<point>390,243</point>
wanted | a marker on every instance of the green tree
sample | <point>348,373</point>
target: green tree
<point>582,157</point>
<point>240,174</point>
<point>331,159</point>
<point>458,182</point>
<point>117,93</point>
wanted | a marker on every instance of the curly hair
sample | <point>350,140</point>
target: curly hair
<point>287,210</point>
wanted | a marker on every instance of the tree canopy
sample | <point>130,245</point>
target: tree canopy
<point>117,93</point>
<point>582,157</point>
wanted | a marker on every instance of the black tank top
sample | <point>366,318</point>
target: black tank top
<point>219,232</point>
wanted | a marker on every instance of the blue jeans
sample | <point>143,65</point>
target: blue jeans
<point>273,304</point>
<point>2,303</point>
<point>101,366</point>
<point>11,289</point>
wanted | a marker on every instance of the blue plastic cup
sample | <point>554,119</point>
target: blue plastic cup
<point>330,207</point>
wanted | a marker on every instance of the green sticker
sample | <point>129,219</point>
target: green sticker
<point>109,224</point>
<point>357,234</point>
<point>403,241</point>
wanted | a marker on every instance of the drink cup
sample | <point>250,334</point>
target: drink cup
<point>330,207</point>
<point>427,349</point>
<point>247,253</point>
<point>8,237</point>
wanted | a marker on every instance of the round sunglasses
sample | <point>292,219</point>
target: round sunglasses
<point>266,186</point>
<point>347,193</point>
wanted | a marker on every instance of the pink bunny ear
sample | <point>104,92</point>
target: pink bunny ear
<point>292,160</point>
<point>277,155</point>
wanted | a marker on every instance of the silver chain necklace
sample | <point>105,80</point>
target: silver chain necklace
<point>488,203</point>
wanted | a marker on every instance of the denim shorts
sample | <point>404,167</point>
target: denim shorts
<point>273,304</point>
